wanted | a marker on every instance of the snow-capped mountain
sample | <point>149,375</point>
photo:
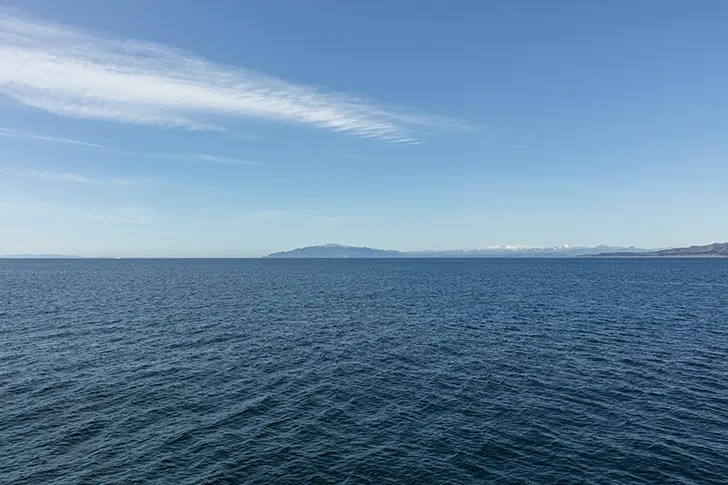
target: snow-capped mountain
<point>513,251</point>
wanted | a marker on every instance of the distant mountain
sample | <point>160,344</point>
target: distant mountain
<point>503,251</point>
<point>38,256</point>
<point>339,251</point>
<point>336,251</point>
<point>715,250</point>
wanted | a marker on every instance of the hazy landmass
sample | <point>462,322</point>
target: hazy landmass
<point>38,256</point>
<point>715,250</point>
<point>341,251</point>
<point>337,251</point>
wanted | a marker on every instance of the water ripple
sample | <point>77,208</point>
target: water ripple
<point>363,372</point>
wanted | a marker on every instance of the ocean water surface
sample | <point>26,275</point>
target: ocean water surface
<point>363,371</point>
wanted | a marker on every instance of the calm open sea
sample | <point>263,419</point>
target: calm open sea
<point>363,371</point>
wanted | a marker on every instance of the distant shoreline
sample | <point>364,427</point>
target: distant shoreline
<point>645,256</point>
<point>336,251</point>
<point>403,258</point>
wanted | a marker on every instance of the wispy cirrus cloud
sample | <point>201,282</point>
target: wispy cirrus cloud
<point>56,176</point>
<point>72,73</point>
<point>128,182</point>
<point>73,177</point>
<point>217,159</point>
<point>119,218</point>
<point>199,157</point>
<point>8,133</point>
<point>342,219</point>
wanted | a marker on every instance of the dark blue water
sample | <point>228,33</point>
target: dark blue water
<point>354,372</point>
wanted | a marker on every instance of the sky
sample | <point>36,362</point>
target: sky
<point>231,128</point>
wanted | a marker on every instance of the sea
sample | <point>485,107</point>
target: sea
<point>380,371</point>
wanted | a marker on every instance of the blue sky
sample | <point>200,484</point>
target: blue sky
<point>232,128</point>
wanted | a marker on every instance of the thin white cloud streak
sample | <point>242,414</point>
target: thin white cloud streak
<point>116,218</point>
<point>273,213</point>
<point>62,176</point>
<point>200,157</point>
<point>52,176</point>
<point>8,133</point>
<point>342,219</point>
<point>72,177</point>
<point>128,182</point>
<point>76,74</point>
<point>228,160</point>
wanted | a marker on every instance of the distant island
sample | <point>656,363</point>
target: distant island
<point>715,250</point>
<point>339,251</point>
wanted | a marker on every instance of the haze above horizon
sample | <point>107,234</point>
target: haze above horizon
<point>234,129</point>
